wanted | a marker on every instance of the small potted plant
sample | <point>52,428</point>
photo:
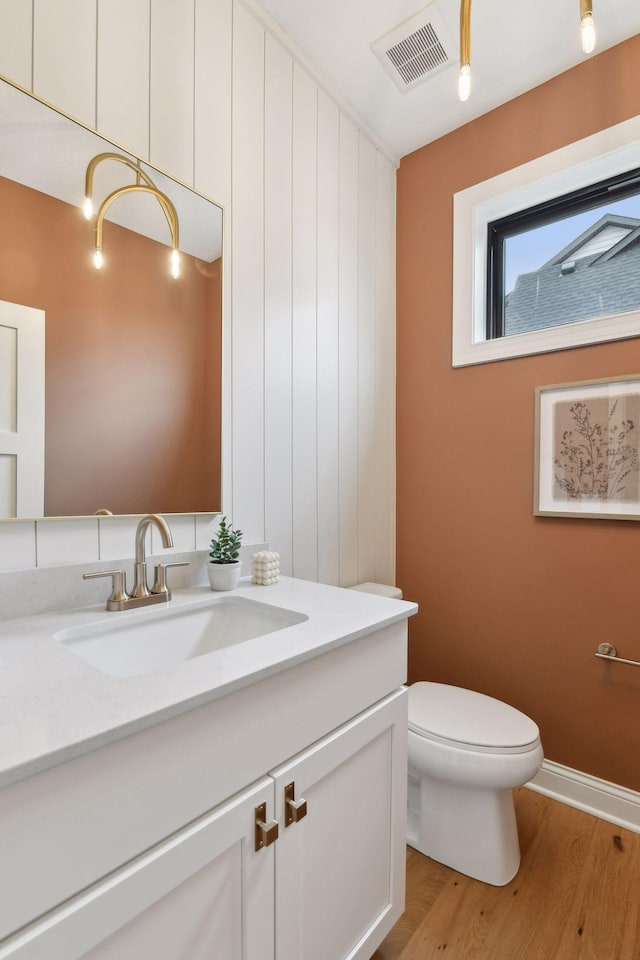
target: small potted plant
<point>224,567</point>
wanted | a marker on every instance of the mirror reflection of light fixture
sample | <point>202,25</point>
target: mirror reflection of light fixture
<point>143,184</point>
<point>587,31</point>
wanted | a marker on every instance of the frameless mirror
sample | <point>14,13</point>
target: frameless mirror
<point>110,378</point>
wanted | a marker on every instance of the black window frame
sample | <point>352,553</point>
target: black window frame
<point>625,184</point>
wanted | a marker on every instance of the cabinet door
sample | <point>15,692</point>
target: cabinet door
<point>203,892</point>
<point>340,870</point>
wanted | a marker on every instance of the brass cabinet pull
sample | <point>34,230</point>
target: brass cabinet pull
<point>294,810</point>
<point>266,830</point>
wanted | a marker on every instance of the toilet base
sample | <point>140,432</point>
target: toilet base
<point>470,829</point>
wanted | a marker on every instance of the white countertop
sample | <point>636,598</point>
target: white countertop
<point>55,706</point>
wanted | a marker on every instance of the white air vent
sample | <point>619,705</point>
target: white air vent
<point>418,48</point>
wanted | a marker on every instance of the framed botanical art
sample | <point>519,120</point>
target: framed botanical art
<point>587,460</point>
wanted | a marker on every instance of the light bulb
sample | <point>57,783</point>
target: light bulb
<point>98,259</point>
<point>175,264</point>
<point>588,33</point>
<point>464,82</point>
<point>87,208</point>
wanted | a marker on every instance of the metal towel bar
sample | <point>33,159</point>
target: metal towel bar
<point>607,651</point>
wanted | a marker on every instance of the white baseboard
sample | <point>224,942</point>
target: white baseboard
<point>599,797</point>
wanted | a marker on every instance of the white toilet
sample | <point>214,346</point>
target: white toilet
<point>466,753</point>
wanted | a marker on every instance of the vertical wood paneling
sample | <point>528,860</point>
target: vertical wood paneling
<point>212,172</point>
<point>123,72</point>
<point>212,163</point>
<point>172,87</point>
<point>64,55</point>
<point>328,340</point>
<point>304,193</point>
<point>277,289</point>
<point>247,266</point>
<point>348,364</point>
<point>15,41</point>
<point>366,359</point>
<point>385,403</point>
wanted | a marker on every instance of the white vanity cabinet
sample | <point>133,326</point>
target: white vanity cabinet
<point>147,847</point>
<point>328,888</point>
<point>340,870</point>
<point>201,893</point>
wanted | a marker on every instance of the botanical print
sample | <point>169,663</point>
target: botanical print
<point>595,449</point>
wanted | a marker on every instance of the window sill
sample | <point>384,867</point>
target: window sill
<point>581,333</point>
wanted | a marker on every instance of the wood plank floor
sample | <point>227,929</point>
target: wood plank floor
<point>576,896</point>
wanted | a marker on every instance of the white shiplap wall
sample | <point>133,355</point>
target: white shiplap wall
<point>211,91</point>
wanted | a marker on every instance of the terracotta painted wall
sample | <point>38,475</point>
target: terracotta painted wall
<point>511,604</point>
<point>133,361</point>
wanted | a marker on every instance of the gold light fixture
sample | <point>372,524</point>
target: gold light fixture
<point>464,77</point>
<point>587,27</point>
<point>587,31</point>
<point>143,184</point>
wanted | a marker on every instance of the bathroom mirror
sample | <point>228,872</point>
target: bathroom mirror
<point>110,378</point>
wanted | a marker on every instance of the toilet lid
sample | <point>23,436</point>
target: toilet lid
<point>466,717</point>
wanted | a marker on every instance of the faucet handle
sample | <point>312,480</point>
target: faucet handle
<point>118,587</point>
<point>160,583</point>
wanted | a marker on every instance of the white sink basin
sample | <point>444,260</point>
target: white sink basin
<point>153,639</point>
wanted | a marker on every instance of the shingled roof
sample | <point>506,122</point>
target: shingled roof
<point>596,275</point>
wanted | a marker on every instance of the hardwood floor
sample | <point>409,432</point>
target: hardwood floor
<point>576,896</point>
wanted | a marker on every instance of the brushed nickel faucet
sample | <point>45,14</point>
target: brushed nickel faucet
<point>141,595</point>
<point>140,588</point>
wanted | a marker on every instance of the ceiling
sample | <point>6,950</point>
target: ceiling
<point>516,45</point>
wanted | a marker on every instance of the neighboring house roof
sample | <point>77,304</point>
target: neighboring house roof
<point>596,275</point>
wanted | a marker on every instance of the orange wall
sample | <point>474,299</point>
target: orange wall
<point>133,361</point>
<point>510,604</point>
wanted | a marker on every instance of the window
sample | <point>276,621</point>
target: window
<point>572,258</point>
<point>547,256</point>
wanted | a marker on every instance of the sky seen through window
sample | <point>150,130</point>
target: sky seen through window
<point>529,250</point>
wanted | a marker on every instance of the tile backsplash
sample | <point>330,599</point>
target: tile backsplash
<point>67,541</point>
<point>17,545</point>
<point>25,544</point>
<point>42,562</point>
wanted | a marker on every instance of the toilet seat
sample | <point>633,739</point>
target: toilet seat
<point>468,720</point>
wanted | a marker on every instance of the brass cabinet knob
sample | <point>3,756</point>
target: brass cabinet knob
<point>294,810</point>
<point>266,831</point>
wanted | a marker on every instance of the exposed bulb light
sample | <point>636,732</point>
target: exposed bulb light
<point>87,208</point>
<point>175,264</point>
<point>588,33</point>
<point>464,77</point>
<point>464,82</point>
<point>98,259</point>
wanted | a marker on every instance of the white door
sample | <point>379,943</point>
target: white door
<point>340,870</point>
<point>203,893</point>
<point>21,411</point>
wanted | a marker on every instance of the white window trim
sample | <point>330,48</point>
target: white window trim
<point>604,154</point>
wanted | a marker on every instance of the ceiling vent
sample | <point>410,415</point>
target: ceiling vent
<point>417,49</point>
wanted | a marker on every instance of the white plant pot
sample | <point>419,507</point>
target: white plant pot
<point>224,576</point>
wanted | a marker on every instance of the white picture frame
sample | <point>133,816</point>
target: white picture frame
<point>587,449</point>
